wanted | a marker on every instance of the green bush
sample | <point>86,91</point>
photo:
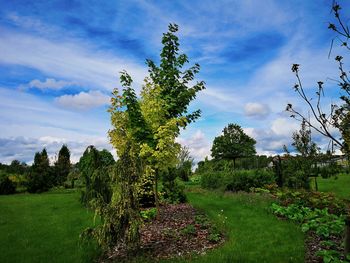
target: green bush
<point>240,180</point>
<point>6,185</point>
<point>213,180</point>
<point>173,187</point>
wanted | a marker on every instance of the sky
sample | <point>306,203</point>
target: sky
<point>60,60</point>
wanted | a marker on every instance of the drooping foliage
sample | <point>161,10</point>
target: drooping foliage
<point>121,216</point>
<point>93,166</point>
<point>233,144</point>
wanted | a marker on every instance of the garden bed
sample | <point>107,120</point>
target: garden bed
<point>180,230</point>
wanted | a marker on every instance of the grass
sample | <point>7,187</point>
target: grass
<point>253,233</point>
<point>339,185</point>
<point>43,228</point>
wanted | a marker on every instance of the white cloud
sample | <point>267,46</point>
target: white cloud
<point>83,100</point>
<point>198,145</point>
<point>68,59</point>
<point>284,126</point>
<point>253,109</point>
<point>49,83</point>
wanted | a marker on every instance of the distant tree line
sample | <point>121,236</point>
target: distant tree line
<point>42,176</point>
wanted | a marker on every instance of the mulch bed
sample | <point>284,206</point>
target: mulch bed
<point>176,233</point>
<point>313,244</point>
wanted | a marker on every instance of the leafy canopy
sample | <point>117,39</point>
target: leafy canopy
<point>233,144</point>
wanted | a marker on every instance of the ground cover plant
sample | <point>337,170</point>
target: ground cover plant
<point>44,228</point>
<point>320,215</point>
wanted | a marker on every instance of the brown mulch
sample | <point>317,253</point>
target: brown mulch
<point>176,233</point>
<point>313,244</point>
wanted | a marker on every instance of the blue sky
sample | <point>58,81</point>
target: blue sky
<point>59,61</point>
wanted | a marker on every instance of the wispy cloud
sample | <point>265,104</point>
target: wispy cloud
<point>83,100</point>
<point>48,84</point>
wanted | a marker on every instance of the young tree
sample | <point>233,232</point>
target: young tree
<point>62,165</point>
<point>144,132</point>
<point>339,115</point>
<point>233,144</point>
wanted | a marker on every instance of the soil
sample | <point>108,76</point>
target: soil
<point>313,244</point>
<point>179,231</point>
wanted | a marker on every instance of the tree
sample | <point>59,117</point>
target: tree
<point>233,144</point>
<point>303,143</point>
<point>143,134</point>
<point>62,165</point>
<point>185,163</point>
<point>39,177</point>
<point>338,116</point>
<point>166,96</point>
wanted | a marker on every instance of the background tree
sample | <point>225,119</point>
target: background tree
<point>39,177</point>
<point>185,164</point>
<point>62,165</point>
<point>233,144</point>
<point>302,142</point>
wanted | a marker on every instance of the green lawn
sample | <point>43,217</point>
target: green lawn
<point>43,228</point>
<point>254,234</point>
<point>339,185</point>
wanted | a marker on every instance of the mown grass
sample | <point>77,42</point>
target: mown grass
<point>339,185</point>
<point>44,228</point>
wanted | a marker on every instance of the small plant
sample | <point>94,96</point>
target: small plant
<point>202,221</point>
<point>214,237</point>
<point>189,230</point>
<point>149,214</point>
<point>329,256</point>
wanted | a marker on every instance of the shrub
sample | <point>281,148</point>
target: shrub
<point>174,191</point>
<point>6,185</point>
<point>173,187</point>
<point>240,180</point>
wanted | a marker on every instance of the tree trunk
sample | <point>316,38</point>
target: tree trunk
<point>156,199</point>
<point>278,169</point>
<point>316,185</point>
<point>347,235</point>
